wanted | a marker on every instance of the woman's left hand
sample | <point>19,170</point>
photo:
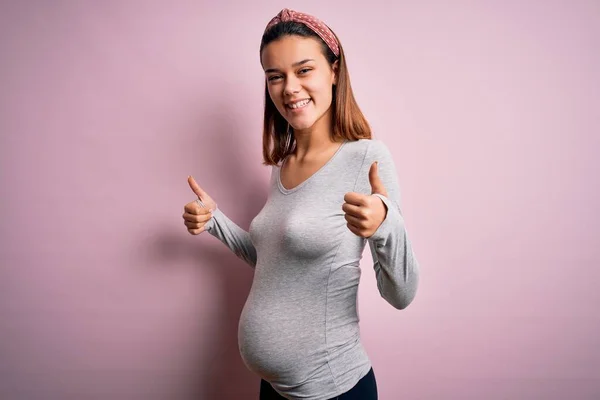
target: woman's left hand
<point>365,213</point>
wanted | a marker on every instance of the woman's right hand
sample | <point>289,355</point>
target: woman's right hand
<point>195,215</point>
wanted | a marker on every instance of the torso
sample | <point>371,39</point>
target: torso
<point>299,328</point>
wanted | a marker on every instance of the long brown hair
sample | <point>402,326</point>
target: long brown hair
<point>348,122</point>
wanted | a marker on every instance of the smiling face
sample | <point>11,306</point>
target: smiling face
<point>299,80</point>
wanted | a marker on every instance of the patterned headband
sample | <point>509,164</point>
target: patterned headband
<point>313,23</point>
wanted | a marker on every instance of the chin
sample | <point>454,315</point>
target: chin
<point>300,126</point>
<point>303,122</point>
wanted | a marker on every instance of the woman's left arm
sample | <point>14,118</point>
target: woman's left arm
<point>396,267</point>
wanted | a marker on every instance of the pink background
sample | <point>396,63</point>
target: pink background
<point>490,108</point>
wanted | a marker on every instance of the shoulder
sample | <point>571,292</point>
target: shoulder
<point>369,149</point>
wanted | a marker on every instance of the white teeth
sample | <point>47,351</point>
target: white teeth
<point>299,104</point>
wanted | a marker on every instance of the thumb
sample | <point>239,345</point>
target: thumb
<point>376,183</point>
<point>196,188</point>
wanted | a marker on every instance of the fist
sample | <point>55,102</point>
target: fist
<point>365,213</point>
<point>198,212</point>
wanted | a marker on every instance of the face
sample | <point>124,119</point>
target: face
<point>299,80</point>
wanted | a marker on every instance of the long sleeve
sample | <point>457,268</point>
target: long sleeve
<point>234,237</point>
<point>396,267</point>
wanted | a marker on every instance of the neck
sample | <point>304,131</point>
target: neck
<point>314,140</point>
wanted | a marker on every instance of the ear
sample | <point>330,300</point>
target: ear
<point>335,68</point>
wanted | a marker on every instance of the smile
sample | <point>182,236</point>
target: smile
<point>298,104</point>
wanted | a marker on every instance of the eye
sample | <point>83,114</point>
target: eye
<point>305,69</point>
<point>274,77</point>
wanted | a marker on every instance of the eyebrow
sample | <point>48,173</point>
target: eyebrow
<point>296,64</point>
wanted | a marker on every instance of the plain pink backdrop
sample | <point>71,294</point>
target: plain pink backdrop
<point>491,110</point>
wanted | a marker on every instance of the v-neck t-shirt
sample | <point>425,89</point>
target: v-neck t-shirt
<point>299,328</point>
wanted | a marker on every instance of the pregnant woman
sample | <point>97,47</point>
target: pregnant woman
<point>333,188</point>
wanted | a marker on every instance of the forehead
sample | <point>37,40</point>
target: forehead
<point>287,50</point>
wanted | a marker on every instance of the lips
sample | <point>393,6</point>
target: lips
<point>298,104</point>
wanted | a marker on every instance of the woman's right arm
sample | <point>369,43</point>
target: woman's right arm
<point>203,214</point>
<point>234,237</point>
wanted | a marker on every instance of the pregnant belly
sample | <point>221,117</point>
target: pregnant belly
<point>279,339</point>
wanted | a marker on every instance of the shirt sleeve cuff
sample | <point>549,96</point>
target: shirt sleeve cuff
<point>391,224</point>
<point>210,224</point>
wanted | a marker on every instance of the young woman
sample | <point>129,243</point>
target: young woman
<point>333,188</point>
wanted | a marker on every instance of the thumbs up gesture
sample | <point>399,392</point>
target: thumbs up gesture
<point>365,213</point>
<point>195,214</point>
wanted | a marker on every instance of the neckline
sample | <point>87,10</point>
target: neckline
<point>303,183</point>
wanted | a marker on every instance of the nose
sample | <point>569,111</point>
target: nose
<point>292,86</point>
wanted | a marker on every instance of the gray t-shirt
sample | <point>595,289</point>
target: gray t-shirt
<point>299,327</point>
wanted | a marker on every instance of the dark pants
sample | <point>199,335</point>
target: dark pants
<point>365,389</point>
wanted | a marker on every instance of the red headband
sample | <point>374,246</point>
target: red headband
<point>313,23</point>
